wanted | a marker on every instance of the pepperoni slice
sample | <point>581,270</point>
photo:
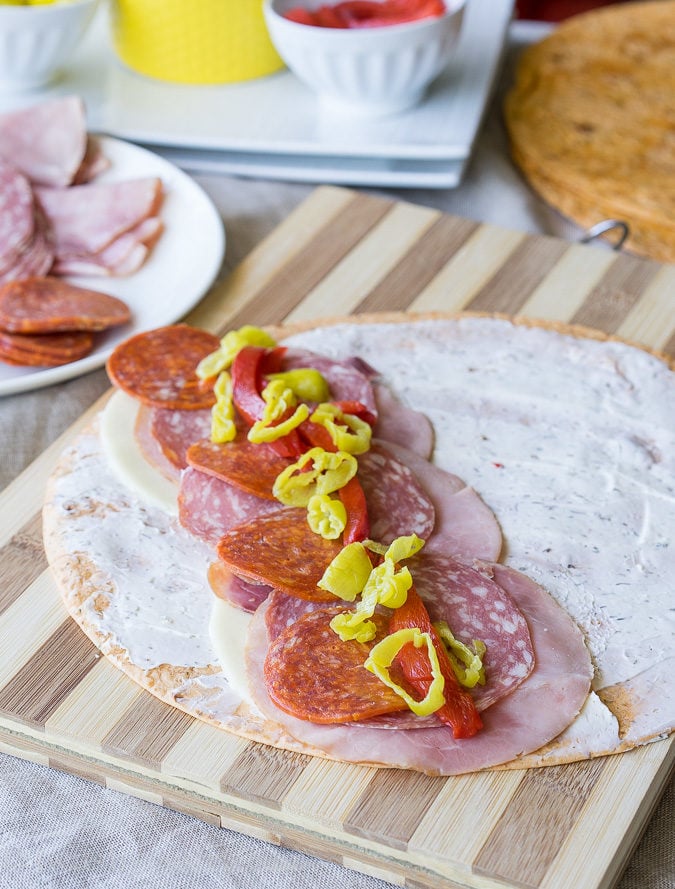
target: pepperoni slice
<point>158,367</point>
<point>280,549</point>
<point>44,350</point>
<point>45,305</point>
<point>251,467</point>
<point>313,675</point>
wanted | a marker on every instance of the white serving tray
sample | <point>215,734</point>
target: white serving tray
<point>275,127</point>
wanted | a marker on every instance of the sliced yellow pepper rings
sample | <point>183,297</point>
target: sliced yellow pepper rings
<point>329,472</point>
<point>230,344</point>
<point>305,382</point>
<point>347,431</point>
<point>385,585</point>
<point>467,665</point>
<point>382,656</point>
<point>347,574</point>
<point>326,517</point>
<point>278,400</point>
<point>222,413</point>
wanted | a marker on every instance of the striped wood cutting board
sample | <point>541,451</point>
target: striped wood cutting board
<point>63,705</point>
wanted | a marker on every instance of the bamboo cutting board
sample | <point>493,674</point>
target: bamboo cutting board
<point>63,705</point>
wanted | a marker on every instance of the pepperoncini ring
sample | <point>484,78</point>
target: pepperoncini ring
<point>314,472</point>
<point>230,344</point>
<point>347,431</point>
<point>326,517</point>
<point>223,428</point>
<point>382,656</point>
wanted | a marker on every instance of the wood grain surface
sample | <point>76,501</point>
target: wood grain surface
<point>63,705</point>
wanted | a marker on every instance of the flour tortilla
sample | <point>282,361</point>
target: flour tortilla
<point>590,118</point>
<point>101,541</point>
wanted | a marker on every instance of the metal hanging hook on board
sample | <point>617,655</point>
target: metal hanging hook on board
<point>607,225</point>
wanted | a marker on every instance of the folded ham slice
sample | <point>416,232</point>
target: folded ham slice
<point>48,142</point>
<point>88,218</point>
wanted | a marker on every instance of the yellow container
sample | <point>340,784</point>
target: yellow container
<point>194,41</point>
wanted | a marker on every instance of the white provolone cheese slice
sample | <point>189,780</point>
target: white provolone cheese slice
<point>228,629</point>
<point>125,458</point>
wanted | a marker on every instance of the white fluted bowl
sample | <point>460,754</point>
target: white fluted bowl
<point>369,71</point>
<point>36,42</point>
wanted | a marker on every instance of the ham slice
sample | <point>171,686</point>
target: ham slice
<point>402,425</point>
<point>123,256</point>
<point>88,218</point>
<point>541,707</point>
<point>47,142</point>
<point>465,526</point>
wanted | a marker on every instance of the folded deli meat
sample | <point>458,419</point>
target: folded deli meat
<point>57,216</point>
<point>440,544</point>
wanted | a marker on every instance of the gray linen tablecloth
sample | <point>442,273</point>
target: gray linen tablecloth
<point>61,832</point>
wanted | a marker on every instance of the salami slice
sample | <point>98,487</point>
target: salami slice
<point>244,594</point>
<point>331,685</point>
<point>280,549</point>
<point>45,350</point>
<point>17,221</point>
<point>476,607</point>
<point>175,431</point>
<point>251,467</point>
<point>208,507</point>
<point>535,712</point>
<point>46,305</point>
<point>397,504</point>
<point>283,611</point>
<point>157,367</point>
<point>345,381</point>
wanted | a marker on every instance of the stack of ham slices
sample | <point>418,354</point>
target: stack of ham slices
<point>55,218</point>
<point>266,561</point>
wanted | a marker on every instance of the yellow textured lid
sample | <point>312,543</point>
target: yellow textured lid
<point>194,41</point>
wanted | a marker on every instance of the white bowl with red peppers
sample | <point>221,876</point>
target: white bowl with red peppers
<point>366,57</point>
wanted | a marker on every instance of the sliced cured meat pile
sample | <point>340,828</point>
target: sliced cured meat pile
<point>64,223</point>
<point>46,349</point>
<point>25,242</point>
<point>526,718</point>
<point>268,561</point>
<point>105,228</point>
<point>48,322</point>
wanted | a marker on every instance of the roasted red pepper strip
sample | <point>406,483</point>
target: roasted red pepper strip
<point>354,501</point>
<point>316,436</point>
<point>359,410</point>
<point>459,710</point>
<point>247,381</point>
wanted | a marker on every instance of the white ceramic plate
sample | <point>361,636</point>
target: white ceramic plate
<point>180,269</point>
